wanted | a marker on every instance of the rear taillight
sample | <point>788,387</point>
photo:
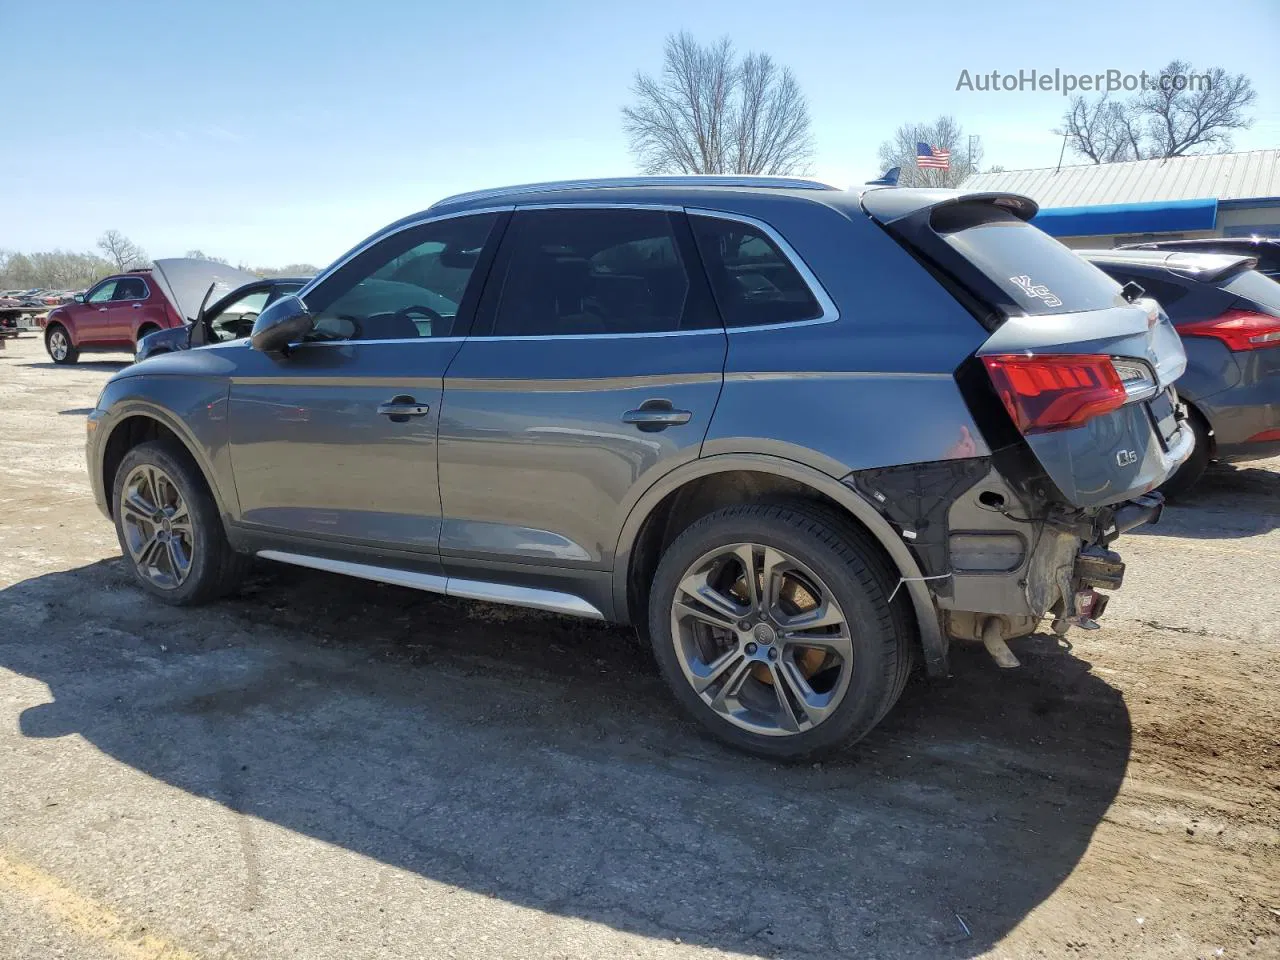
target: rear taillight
<point>1238,329</point>
<point>1055,392</point>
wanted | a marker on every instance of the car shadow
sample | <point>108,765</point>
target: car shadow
<point>81,364</point>
<point>1230,501</point>
<point>540,760</point>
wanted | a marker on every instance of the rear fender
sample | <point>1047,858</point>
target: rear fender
<point>932,641</point>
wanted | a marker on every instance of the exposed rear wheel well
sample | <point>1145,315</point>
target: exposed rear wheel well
<point>130,433</point>
<point>680,508</point>
<point>145,329</point>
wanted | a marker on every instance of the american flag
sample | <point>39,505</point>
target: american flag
<point>928,157</point>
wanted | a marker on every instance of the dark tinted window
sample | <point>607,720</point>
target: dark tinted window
<point>593,271</point>
<point>130,288</point>
<point>1254,286</point>
<point>1035,271</point>
<point>754,283</point>
<point>410,285</point>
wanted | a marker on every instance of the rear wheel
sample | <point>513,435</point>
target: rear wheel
<point>169,528</point>
<point>143,331</point>
<point>58,342</point>
<point>1189,474</point>
<point>771,624</point>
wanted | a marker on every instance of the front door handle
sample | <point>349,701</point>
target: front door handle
<point>402,409</point>
<point>654,415</point>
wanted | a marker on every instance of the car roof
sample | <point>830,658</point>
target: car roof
<point>1202,267</point>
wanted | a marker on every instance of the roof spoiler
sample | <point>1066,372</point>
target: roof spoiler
<point>888,206</point>
<point>1205,267</point>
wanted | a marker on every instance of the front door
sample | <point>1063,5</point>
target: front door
<point>594,367</point>
<point>336,442</point>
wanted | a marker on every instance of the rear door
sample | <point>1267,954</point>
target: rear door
<point>336,442</point>
<point>1084,375</point>
<point>132,306</point>
<point>595,367</point>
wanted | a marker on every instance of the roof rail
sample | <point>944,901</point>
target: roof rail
<point>702,180</point>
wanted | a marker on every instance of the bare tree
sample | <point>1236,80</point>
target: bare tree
<point>121,251</point>
<point>201,255</point>
<point>943,134</point>
<point>1181,111</point>
<point>710,111</point>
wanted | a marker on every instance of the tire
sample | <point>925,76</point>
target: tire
<point>1189,474</point>
<point>144,330</point>
<point>832,561</point>
<point>159,473</point>
<point>57,341</point>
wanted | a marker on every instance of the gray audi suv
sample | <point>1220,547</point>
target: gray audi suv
<point>801,438</point>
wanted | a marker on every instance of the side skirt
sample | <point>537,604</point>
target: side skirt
<point>531,597</point>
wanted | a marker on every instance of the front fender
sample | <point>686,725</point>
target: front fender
<point>932,641</point>
<point>194,410</point>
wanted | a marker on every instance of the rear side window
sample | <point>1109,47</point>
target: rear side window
<point>753,281</point>
<point>130,288</point>
<point>1034,271</point>
<point>594,271</point>
<point>1252,285</point>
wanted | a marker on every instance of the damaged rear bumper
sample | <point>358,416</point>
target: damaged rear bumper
<point>997,565</point>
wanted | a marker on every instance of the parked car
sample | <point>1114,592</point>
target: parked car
<point>1229,317</point>
<point>229,318</point>
<point>1266,250</point>
<point>801,438</point>
<point>122,309</point>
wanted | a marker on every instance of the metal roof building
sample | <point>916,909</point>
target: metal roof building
<point>1223,194</point>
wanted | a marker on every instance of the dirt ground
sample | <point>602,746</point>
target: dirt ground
<point>324,767</point>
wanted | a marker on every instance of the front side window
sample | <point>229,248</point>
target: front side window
<point>103,293</point>
<point>130,288</point>
<point>236,319</point>
<point>408,286</point>
<point>593,271</point>
<point>754,282</point>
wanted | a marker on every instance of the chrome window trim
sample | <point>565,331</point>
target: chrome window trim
<point>829,314</point>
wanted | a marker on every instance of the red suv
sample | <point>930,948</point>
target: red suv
<point>114,315</point>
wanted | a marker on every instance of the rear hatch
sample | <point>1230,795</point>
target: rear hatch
<point>1083,375</point>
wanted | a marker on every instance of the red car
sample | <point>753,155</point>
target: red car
<point>119,311</point>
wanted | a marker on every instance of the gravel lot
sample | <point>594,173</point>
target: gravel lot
<point>325,767</point>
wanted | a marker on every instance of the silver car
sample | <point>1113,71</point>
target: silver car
<point>802,439</point>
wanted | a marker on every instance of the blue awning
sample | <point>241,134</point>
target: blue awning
<point>1168,216</point>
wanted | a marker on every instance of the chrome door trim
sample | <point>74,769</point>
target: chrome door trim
<point>530,597</point>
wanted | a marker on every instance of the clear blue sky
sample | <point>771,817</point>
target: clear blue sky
<point>275,132</point>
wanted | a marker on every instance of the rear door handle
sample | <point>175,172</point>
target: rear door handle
<point>654,415</point>
<point>402,409</point>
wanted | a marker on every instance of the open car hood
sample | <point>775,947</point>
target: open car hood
<point>186,281</point>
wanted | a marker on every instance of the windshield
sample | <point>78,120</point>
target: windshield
<point>1035,271</point>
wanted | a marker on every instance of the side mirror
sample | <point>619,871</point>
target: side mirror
<point>78,298</point>
<point>284,322</point>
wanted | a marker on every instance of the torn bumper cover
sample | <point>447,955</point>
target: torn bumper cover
<point>996,564</point>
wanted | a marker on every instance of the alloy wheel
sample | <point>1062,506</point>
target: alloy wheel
<point>58,345</point>
<point>157,526</point>
<point>761,639</point>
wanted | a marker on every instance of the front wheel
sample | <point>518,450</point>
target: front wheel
<point>58,342</point>
<point>773,628</point>
<point>169,528</point>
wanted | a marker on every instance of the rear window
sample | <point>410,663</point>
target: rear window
<point>1034,271</point>
<point>1252,285</point>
